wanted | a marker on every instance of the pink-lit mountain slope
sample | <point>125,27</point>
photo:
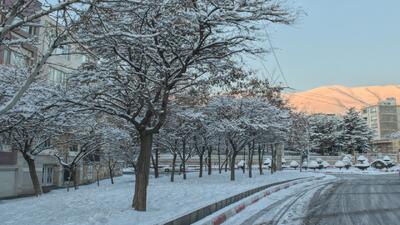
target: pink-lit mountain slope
<point>337,99</point>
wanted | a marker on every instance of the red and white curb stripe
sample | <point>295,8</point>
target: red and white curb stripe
<point>222,217</point>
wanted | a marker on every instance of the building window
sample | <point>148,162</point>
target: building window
<point>56,77</point>
<point>67,52</point>
<point>64,51</point>
<point>47,143</point>
<point>5,145</point>
<point>84,59</point>
<point>90,172</point>
<point>47,175</point>
<point>73,148</point>
<point>24,27</point>
<point>14,58</point>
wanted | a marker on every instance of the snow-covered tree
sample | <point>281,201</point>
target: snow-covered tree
<point>157,48</point>
<point>25,16</point>
<point>357,134</point>
<point>241,120</point>
<point>31,124</point>
<point>326,134</point>
<point>298,135</point>
<point>117,145</point>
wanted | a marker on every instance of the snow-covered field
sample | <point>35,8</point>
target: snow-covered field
<point>111,204</point>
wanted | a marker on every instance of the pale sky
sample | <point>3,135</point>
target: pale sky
<point>344,42</point>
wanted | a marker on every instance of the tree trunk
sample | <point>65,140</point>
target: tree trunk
<point>226,157</point>
<point>184,158</point>
<point>75,178</point>
<point>219,160</point>
<point>232,165</point>
<point>273,161</point>
<point>154,161</point>
<point>173,167</point>
<point>69,178</point>
<point>97,177</point>
<point>110,169</point>
<point>156,172</point>
<point>142,171</point>
<point>35,180</point>
<point>244,160</point>
<point>251,153</point>
<point>201,165</point>
<point>260,159</point>
<point>209,160</point>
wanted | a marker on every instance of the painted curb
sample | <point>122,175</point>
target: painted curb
<point>222,217</point>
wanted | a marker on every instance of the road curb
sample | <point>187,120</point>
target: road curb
<point>203,212</point>
<point>222,217</point>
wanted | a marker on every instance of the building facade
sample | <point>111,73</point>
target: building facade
<point>383,118</point>
<point>14,173</point>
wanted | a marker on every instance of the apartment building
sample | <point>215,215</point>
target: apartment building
<point>14,173</point>
<point>25,54</point>
<point>383,118</point>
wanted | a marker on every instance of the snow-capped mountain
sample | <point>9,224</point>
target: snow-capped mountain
<point>336,99</point>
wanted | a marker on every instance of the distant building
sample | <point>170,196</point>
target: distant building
<point>383,118</point>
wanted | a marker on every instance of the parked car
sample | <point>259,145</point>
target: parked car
<point>267,163</point>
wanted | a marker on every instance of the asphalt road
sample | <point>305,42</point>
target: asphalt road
<point>357,200</point>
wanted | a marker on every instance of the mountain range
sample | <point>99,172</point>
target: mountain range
<point>337,99</point>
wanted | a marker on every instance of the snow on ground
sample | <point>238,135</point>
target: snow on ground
<point>354,170</point>
<point>287,206</point>
<point>111,204</point>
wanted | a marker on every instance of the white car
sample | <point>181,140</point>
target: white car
<point>267,163</point>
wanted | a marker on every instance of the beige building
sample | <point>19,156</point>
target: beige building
<point>383,118</point>
<point>14,173</point>
<point>16,181</point>
<point>64,60</point>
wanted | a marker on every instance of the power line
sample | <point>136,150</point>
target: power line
<point>275,57</point>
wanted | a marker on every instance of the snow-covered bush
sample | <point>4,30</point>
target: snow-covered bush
<point>325,164</point>
<point>363,163</point>
<point>362,166</point>
<point>362,159</point>
<point>378,164</point>
<point>347,161</point>
<point>294,164</point>
<point>389,162</point>
<point>313,165</point>
<point>339,164</point>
